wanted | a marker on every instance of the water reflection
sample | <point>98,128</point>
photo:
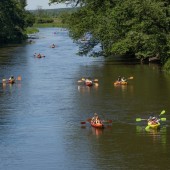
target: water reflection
<point>84,89</point>
<point>122,87</point>
<point>10,87</point>
<point>97,131</point>
<point>157,135</point>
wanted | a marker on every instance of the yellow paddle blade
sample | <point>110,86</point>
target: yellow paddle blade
<point>95,80</point>
<point>163,119</point>
<point>163,112</point>
<point>139,119</point>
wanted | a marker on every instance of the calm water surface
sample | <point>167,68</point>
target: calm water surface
<point>40,116</point>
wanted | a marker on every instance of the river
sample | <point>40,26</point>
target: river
<point>41,115</point>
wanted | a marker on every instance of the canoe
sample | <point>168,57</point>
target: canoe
<point>97,125</point>
<point>155,125</point>
<point>120,83</point>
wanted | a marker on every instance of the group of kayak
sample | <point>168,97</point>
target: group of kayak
<point>11,80</point>
<point>39,55</point>
<point>152,122</point>
<point>89,82</point>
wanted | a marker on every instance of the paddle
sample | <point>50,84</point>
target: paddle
<point>19,78</point>
<point>83,122</point>
<point>162,119</point>
<point>163,112</point>
<point>130,78</point>
<point>95,80</point>
<point>88,120</point>
<point>139,119</point>
<point>107,121</point>
<point>79,81</point>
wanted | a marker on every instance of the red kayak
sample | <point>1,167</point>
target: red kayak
<point>89,83</point>
<point>97,125</point>
<point>11,81</point>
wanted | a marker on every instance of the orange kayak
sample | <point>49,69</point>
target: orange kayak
<point>97,125</point>
<point>120,83</point>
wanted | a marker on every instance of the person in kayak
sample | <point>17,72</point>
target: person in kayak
<point>119,79</point>
<point>123,79</point>
<point>11,78</point>
<point>53,46</point>
<point>153,120</point>
<point>96,118</point>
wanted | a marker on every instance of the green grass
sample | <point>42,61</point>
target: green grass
<point>57,23</point>
<point>45,25</point>
<point>31,30</point>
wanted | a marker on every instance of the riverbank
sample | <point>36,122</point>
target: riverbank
<point>34,29</point>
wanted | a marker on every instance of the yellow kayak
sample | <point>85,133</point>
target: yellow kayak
<point>120,83</point>
<point>153,125</point>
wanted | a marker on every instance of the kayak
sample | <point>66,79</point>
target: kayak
<point>155,125</point>
<point>97,125</point>
<point>89,83</point>
<point>120,83</point>
<point>3,80</point>
<point>11,81</point>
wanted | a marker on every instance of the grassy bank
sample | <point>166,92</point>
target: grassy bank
<point>57,23</point>
<point>32,30</point>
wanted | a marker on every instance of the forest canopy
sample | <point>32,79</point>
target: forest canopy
<point>13,20</point>
<point>129,27</point>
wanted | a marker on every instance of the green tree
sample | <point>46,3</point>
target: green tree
<point>13,20</point>
<point>129,27</point>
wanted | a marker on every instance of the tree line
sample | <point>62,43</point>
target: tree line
<point>139,28</point>
<point>14,20</point>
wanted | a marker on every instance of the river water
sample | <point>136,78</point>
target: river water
<point>41,115</point>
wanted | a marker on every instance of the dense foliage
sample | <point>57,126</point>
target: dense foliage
<point>13,20</point>
<point>140,28</point>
